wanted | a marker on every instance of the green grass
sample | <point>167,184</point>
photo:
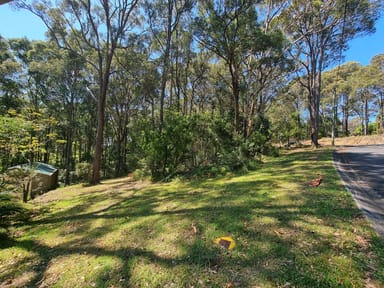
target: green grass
<point>132,234</point>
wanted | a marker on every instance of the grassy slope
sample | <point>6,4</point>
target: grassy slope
<point>126,234</point>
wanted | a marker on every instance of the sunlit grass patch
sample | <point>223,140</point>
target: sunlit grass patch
<point>82,270</point>
<point>17,263</point>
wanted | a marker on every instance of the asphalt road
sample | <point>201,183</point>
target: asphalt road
<point>362,170</point>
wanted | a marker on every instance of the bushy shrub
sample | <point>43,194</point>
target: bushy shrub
<point>167,147</point>
<point>186,143</point>
<point>373,128</point>
<point>83,171</point>
<point>19,181</point>
<point>11,210</point>
<point>141,174</point>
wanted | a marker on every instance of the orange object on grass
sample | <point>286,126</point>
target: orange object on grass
<point>316,182</point>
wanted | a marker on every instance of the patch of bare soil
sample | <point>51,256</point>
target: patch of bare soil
<point>19,281</point>
<point>351,141</point>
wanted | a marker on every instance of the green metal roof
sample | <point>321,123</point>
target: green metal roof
<point>38,167</point>
<point>44,168</point>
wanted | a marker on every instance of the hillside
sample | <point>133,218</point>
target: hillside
<point>137,234</point>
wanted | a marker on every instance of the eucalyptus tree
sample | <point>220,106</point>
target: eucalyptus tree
<point>338,84</point>
<point>215,93</point>
<point>344,91</point>
<point>266,69</point>
<point>377,65</point>
<point>41,75</point>
<point>85,27</point>
<point>363,80</point>
<point>285,113</point>
<point>14,140</point>
<point>149,88</point>
<point>230,29</point>
<point>368,92</point>
<point>127,99</point>
<point>65,74</point>
<point>265,73</point>
<point>24,98</point>
<point>200,94</point>
<point>34,82</point>
<point>183,59</point>
<point>319,32</point>
<point>165,17</point>
<point>10,86</point>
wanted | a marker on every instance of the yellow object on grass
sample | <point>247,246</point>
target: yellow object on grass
<point>226,242</point>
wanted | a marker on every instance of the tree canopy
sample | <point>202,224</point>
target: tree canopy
<point>171,87</point>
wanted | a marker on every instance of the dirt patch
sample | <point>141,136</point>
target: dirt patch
<point>351,141</point>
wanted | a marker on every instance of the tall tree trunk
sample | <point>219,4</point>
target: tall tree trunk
<point>95,178</point>
<point>99,138</point>
<point>314,89</point>
<point>366,117</point>
<point>68,157</point>
<point>47,147</point>
<point>124,150</point>
<point>235,94</point>
<point>345,112</point>
<point>68,146</point>
<point>118,154</point>
<point>381,99</point>
<point>26,189</point>
<point>313,106</point>
<point>164,76</point>
<point>175,74</point>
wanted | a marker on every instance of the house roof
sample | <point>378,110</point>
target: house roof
<point>44,168</point>
<point>38,167</point>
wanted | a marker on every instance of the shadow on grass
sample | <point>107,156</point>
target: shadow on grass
<point>304,239</point>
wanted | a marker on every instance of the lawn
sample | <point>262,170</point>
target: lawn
<point>137,234</point>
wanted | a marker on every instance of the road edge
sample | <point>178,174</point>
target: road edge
<point>357,193</point>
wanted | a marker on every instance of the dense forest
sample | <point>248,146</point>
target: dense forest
<point>163,87</point>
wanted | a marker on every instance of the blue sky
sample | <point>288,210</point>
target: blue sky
<point>16,24</point>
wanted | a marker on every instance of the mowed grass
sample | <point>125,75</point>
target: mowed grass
<point>135,234</point>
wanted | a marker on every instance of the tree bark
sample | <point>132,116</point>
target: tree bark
<point>345,112</point>
<point>26,190</point>
<point>381,99</point>
<point>164,76</point>
<point>99,141</point>
<point>95,178</point>
<point>233,69</point>
<point>366,117</point>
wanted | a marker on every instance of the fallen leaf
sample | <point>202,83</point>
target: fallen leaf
<point>362,242</point>
<point>194,228</point>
